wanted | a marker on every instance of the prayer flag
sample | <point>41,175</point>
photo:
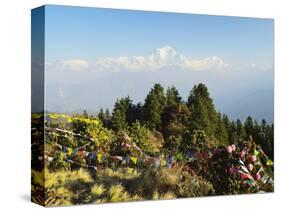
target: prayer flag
<point>134,160</point>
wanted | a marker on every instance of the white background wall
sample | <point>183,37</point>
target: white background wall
<point>15,103</point>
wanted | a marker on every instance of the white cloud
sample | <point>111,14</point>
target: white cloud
<point>161,58</point>
<point>75,64</point>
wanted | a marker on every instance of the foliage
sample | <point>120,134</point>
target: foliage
<point>177,181</point>
<point>221,131</point>
<point>202,145</point>
<point>173,96</point>
<point>203,113</point>
<point>119,114</point>
<point>200,141</point>
<point>140,135</point>
<point>154,104</point>
<point>175,120</point>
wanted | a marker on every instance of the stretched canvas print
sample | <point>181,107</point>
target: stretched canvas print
<point>136,105</point>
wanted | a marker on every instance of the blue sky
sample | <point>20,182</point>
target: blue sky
<point>94,56</point>
<point>91,33</point>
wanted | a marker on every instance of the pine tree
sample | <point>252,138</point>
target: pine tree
<point>101,115</point>
<point>119,114</point>
<point>199,119</point>
<point>135,113</point>
<point>175,121</point>
<point>203,113</point>
<point>226,122</point>
<point>172,96</point>
<point>240,129</point>
<point>107,118</point>
<point>154,104</point>
<point>263,135</point>
<point>249,126</point>
<point>232,134</point>
<point>221,132</point>
<point>139,113</point>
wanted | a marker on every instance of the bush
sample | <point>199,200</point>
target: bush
<point>140,135</point>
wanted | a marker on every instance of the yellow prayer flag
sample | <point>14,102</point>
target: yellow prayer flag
<point>134,160</point>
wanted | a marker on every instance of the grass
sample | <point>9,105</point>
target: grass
<point>123,184</point>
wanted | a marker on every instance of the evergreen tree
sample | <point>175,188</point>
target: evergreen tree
<point>175,121</point>
<point>172,96</point>
<point>249,126</point>
<point>154,105</point>
<point>199,118</point>
<point>257,129</point>
<point>119,114</point>
<point>263,135</point>
<point>226,122</point>
<point>135,113</point>
<point>101,115</point>
<point>270,135</point>
<point>232,134</point>
<point>139,113</point>
<point>203,113</point>
<point>107,115</point>
<point>263,125</point>
<point>221,132</point>
<point>240,129</point>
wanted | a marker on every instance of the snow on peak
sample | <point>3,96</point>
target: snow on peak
<point>165,56</point>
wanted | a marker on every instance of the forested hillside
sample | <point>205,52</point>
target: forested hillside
<point>168,146</point>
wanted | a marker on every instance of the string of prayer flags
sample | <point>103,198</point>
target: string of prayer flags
<point>68,132</point>
<point>254,161</point>
<point>81,165</point>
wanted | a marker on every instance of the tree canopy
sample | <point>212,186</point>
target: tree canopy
<point>181,122</point>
